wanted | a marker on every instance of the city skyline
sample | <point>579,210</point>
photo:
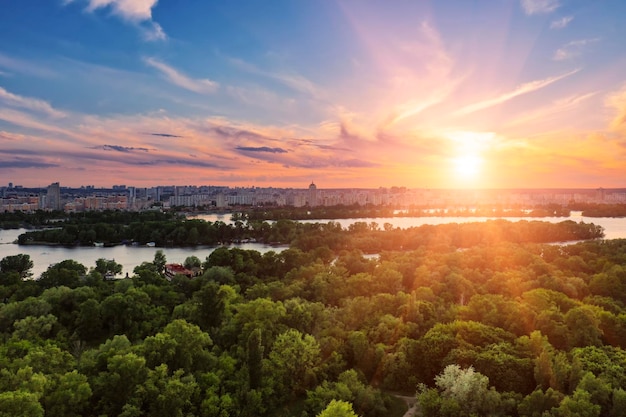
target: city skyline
<point>122,197</point>
<point>440,95</point>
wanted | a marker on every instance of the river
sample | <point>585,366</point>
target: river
<point>131,256</point>
<point>128,256</point>
<point>614,227</point>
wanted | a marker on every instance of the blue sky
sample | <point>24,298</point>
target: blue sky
<point>438,94</point>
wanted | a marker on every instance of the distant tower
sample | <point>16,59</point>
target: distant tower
<point>312,195</point>
<point>53,196</point>
<point>600,194</point>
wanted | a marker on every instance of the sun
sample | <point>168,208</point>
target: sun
<point>467,166</point>
<point>466,156</point>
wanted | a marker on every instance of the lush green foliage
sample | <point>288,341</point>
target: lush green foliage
<point>112,228</point>
<point>477,319</point>
<point>358,211</point>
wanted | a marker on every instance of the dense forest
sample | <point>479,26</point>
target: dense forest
<point>373,211</point>
<point>53,218</point>
<point>603,210</point>
<point>482,319</point>
<point>114,228</point>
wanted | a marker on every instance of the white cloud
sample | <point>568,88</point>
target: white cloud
<point>561,23</point>
<point>154,32</point>
<point>135,11</point>
<point>539,6</point>
<point>572,49</point>
<point>200,86</point>
<point>13,100</point>
<point>525,88</point>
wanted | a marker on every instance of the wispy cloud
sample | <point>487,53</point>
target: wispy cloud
<point>154,32</point>
<point>292,80</point>
<point>554,109</point>
<point>22,66</point>
<point>539,6</point>
<point>260,149</point>
<point>320,163</point>
<point>120,148</point>
<point>572,49</point>
<point>134,11</point>
<point>51,126</point>
<point>617,101</point>
<point>182,162</point>
<point>165,135</point>
<point>412,108</point>
<point>561,23</point>
<point>12,136</point>
<point>525,88</point>
<point>24,163</point>
<point>14,100</point>
<point>200,86</point>
<point>296,82</point>
<point>332,148</point>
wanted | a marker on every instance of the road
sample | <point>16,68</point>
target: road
<point>411,404</point>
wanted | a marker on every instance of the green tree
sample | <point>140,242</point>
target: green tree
<point>461,392</point>
<point>35,329</point>
<point>89,321</point>
<point>180,345</point>
<point>255,359</point>
<point>22,264</point>
<point>69,396</point>
<point>192,262</point>
<point>116,387</point>
<point>20,404</point>
<point>159,261</point>
<point>165,395</point>
<point>583,327</point>
<point>338,409</point>
<point>365,399</point>
<point>619,403</point>
<point>66,273</point>
<point>261,313</point>
<point>599,389</point>
<point>212,306</point>
<point>578,405</point>
<point>294,363</point>
<point>467,387</point>
<point>538,402</point>
<point>108,267</point>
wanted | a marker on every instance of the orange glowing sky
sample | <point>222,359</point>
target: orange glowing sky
<point>429,94</point>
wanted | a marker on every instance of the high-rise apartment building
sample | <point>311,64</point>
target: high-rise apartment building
<point>53,196</point>
<point>312,200</point>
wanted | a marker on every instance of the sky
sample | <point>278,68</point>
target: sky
<point>433,94</point>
